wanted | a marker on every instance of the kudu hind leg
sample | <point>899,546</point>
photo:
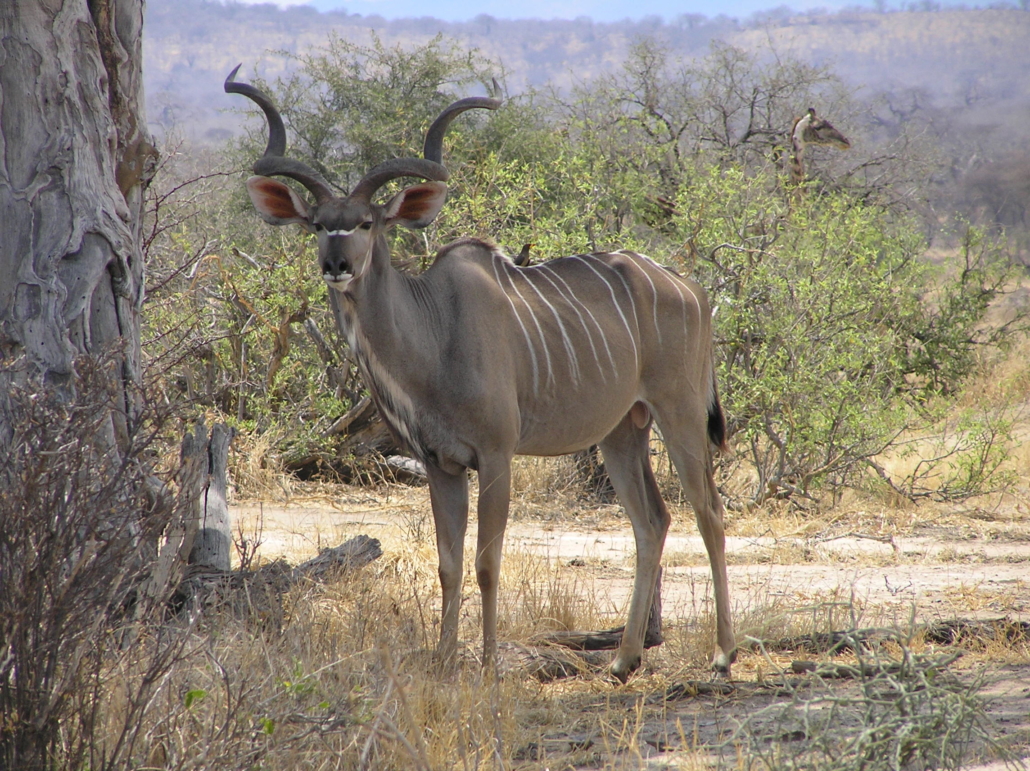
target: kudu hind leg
<point>450,500</point>
<point>694,466</point>
<point>494,501</point>
<point>627,459</point>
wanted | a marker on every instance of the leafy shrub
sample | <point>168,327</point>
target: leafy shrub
<point>910,712</point>
<point>835,337</point>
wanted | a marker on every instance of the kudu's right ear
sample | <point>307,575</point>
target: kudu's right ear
<point>278,204</point>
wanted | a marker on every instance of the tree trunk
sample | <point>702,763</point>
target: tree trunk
<point>76,159</point>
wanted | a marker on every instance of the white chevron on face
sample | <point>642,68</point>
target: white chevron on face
<point>477,360</point>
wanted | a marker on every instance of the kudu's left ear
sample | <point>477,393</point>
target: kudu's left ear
<point>278,204</point>
<point>416,206</point>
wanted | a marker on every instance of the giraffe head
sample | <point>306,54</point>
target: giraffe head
<point>810,129</point>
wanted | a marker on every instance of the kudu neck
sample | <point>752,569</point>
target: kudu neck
<point>391,307</point>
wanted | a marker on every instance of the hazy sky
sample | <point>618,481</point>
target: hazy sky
<point>599,10</point>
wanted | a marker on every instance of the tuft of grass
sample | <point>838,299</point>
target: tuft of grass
<point>255,469</point>
<point>540,596</point>
<point>900,711</point>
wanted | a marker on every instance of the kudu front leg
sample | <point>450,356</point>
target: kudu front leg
<point>628,463</point>
<point>494,499</point>
<point>449,495</point>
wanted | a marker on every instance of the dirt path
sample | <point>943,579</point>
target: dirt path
<point>939,575</point>
<point>925,575</point>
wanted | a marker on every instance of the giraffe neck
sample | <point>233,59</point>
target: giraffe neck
<point>797,147</point>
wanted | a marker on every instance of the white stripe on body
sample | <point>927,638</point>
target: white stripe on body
<point>525,332</point>
<point>566,341</point>
<point>615,301</point>
<point>679,286</point>
<point>584,311</point>
<point>536,321</point>
<point>545,271</point>
<point>629,292</point>
<point>654,291</point>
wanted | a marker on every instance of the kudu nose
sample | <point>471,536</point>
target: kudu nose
<point>336,266</point>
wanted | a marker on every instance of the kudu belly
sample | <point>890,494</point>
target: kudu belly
<point>576,421</point>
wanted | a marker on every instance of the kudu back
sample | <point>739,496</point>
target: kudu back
<point>477,360</point>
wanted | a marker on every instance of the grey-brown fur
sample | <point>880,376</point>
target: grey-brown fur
<point>477,360</point>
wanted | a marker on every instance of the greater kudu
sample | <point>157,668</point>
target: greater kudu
<point>477,360</point>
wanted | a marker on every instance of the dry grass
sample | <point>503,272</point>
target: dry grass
<point>256,472</point>
<point>350,681</point>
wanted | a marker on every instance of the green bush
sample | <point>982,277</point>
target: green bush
<point>808,311</point>
<point>835,337</point>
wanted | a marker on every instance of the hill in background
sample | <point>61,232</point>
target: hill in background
<point>962,75</point>
<point>978,59</point>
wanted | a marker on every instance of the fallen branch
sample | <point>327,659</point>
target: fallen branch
<point>948,632</point>
<point>547,663</point>
<point>258,593</point>
<point>828,642</point>
<point>958,630</point>
<point>866,670</point>
<point>886,539</point>
<point>610,639</point>
<point>691,689</point>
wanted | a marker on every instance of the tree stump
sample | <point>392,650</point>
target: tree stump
<point>212,539</point>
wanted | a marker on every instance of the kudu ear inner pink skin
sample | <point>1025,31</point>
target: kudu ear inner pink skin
<point>477,360</point>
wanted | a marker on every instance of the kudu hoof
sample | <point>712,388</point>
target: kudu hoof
<point>621,670</point>
<point>721,662</point>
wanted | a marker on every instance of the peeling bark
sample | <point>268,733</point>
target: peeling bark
<point>212,544</point>
<point>75,160</point>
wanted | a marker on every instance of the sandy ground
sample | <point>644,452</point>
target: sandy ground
<point>928,574</point>
<point>937,573</point>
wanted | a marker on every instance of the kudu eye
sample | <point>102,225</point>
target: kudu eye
<point>367,225</point>
<point>318,226</point>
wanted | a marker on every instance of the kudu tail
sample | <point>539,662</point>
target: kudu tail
<point>716,418</point>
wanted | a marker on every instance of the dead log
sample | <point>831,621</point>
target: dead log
<point>546,663</point>
<point>406,470</point>
<point>356,418</point>
<point>362,440</point>
<point>367,451</point>
<point>365,434</point>
<point>610,639</point>
<point>257,594</point>
<point>956,630</point>
<point>355,553</point>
